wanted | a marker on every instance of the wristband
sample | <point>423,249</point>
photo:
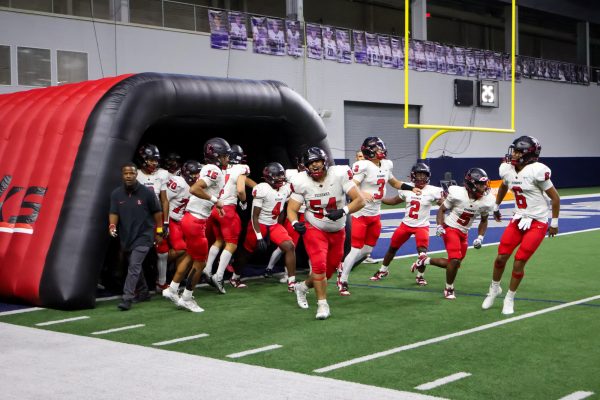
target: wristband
<point>480,238</point>
<point>159,229</point>
<point>258,236</point>
<point>165,222</point>
<point>406,186</point>
<point>294,222</point>
<point>213,199</point>
<point>346,210</point>
<point>554,223</point>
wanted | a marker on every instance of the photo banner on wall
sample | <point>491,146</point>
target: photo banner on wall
<point>385,51</point>
<point>480,64</point>
<point>440,57</point>
<point>276,37</point>
<point>450,60</point>
<point>420,60</point>
<point>470,64</point>
<point>360,47</point>
<point>238,31</point>
<point>373,57</point>
<point>397,52</point>
<point>329,44</point>
<point>430,56</point>
<point>412,63</point>
<point>459,59</point>
<point>219,34</point>
<point>313,41</point>
<point>342,38</point>
<point>259,35</point>
<point>294,38</point>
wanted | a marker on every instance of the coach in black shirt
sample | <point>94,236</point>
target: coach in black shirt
<point>135,211</point>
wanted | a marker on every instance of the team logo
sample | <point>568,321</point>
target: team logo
<point>30,199</point>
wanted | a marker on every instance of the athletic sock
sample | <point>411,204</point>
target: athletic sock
<point>349,261</point>
<point>213,252</point>
<point>174,286</point>
<point>161,265</point>
<point>495,284</point>
<point>510,294</point>
<point>420,274</point>
<point>322,302</point>
<point>223,263</point>
<point>383,268</point>
<point>449,286</point>
<point>275,256</point>
<point>187,294</point>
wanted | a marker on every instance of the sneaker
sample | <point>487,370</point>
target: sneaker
<point>421,281</point>
<point>141,297</point>
<point>205,278</point>
<point>491,296</point>
<point>379,275</point>
<point>370,260</point>
<point>268,273</point>
<point>509,306</point>
<point>237,283</point>
<point>124,305</point>
<point>190,304</point>
<point>449,294</point>
<point>323,311</point>
<point>419,262</point>
<point>218,283</point>
<point>301,295</point>
<point>291,286</point>
<point>284,279</point>
<point>171,295</point>
<point>161,287</point>
<point>343,289</point>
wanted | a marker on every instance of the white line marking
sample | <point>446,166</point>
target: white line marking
<point>577,396</point>
<point>254,351</point>
<point>123,328</point>
<point>107,298</point>
<point>183,339</point>
<point>21,311</point>
<point>451,335</point>
<point>60,321</point>
<point>443,381</point>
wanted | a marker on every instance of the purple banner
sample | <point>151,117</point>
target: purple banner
<point>372,49</point>
<point>219,35</point>
<point>238,32</point>
<point>329,45</point>
<point>450,60</point>
<point>342,38</point>
<point>459,59</point>
<point>420,59</point>
<point>360,47</point>
<point>313,41</point>
<point>259,35</point>
<point>385,51</point>
<point>397,53</point>
<point>294,38</point>
<point>276,37</point>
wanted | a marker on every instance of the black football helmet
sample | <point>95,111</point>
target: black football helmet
<point>529,147</point>
<point>374,148</point>
<point>274,175</point>
<point>172,162</point>
<point>315,154</point>
<point>147,152</point>
<point>190,171</point>
<point>214,149</point>
<point>237,155</point>
<point>477,178</point>
<point>423,168</point>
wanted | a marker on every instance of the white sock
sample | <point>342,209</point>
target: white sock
<point>161,265</point>
<point>213,252</point>
<point>187,294</point>
<point>235,276</point>
<point>495,284</point>
<point>275,256</point>
<point>174,286</point>
<point>349,262</point>
<point>223,263</point>
<point>320,302</point>
<point>449,286</point>
<point>291,279</point>
<point>510,294</point>
<point>383,268</point>
<point>420,274</point>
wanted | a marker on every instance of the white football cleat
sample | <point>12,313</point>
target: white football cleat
<point>168,293</point>
<point>301,290</point>
<point>509,306</point>
<point>218,284</point>
<point>449,294</point>
<point>369,260</point>
<point>284,279</point>
<point>323,311</point>
<point>488,302</point>
<point>190,304</point>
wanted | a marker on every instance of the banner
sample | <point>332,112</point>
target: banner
<point>420,60</point>
<point>490,64</point>
<point>373,57</point>
<point>360,47</point>
<point>385,51</point>
<point>313,41</point>
<point>329,45</point>
<point>397,52</point>
<point>430,56</point>
<point>342,38</point>
<point>276,37</point>
<point>412,64</point>
<point>294,38</point>
<point>440,56</point>
<point>238,32</point>
<point>450,60</point>
<point>459,59</point>
<point>479,57</point>
<point>259,35</point>
<point>219,35</point>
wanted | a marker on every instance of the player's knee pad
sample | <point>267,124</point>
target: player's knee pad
<point>518,275</point>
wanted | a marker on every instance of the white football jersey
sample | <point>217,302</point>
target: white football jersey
<point>372,179</point>
<point>529,187</point>
<point>289,174</point>
<point>214,178</point>
<point>178,193</point>
<point>156,181</point>
<point>229,195</point>
<point>321,197</point>
<point>464,210</point>
<point>270,202</point>
<point>418,206</point>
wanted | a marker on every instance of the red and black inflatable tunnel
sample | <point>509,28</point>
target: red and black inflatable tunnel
<point>60,154</point>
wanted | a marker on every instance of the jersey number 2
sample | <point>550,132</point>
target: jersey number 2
<point>415,206</point>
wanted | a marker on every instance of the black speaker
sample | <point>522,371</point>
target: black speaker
<point>463,92</point>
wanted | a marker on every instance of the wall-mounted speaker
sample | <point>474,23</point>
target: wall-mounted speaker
<point>463,92</point>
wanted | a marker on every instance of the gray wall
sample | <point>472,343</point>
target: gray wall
<point>555,113</point>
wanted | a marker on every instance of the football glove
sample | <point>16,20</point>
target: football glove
<point>439,230</point>
<point>477,242</point>
<point>243,205</point>
<point>112,230</point>
<point>262,245</point>
<point>525,223</point>
<point>497,214</point>
<point>300,227</point>
<point>334,215</point>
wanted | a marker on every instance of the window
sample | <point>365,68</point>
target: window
<point>4,65</point>
<point>71,66</point>
<point>33,66</point>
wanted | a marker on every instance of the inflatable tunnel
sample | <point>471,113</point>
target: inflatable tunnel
<point>62,148</point>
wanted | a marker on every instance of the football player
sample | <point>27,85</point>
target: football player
<point>416,218</point>
<point>269,198</point>
<point>322,189</point>
<point>464,205</point>
<point>371,176</point>
<point>204,196</point>
<point>226,228</point>
<point>530,182</point>
<point>172,163</point>
<point>150,175</point>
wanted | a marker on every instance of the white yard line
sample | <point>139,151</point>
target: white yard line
<point>21,311</point>
<point>60,321</point>
<point>451,336</point>
<point>123,328</point>
<point>577,396</point>
<point>182,339</point>
<point>254,351</point>
<point>443,381</point>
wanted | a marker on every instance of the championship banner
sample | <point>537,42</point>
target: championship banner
<point>479,58</point>
<point>294,38</point>
<point>313,41</point>
<point>219,35</point>
<point>238,31</point>
<point>276,37</point>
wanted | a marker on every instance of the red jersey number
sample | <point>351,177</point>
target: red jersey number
<point>276,211</point>
<point>317,207</point>
<point>380,189</point>
<point>465,218</point>
<point>519,198</point>
<point>415,206</point>
<point>181,207</point>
